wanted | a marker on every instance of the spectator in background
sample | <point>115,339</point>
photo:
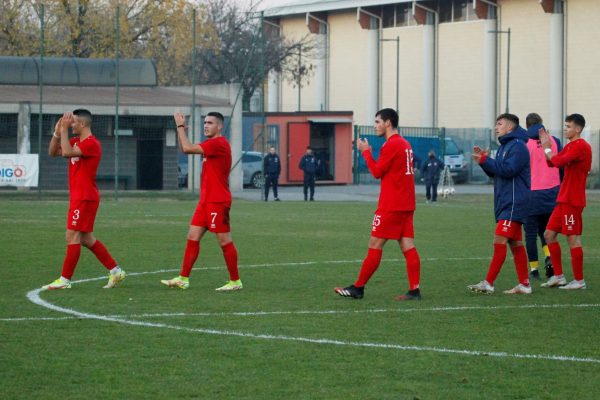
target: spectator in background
<point>272,168</point>
<point>545,183</point>
<point>309,164</point>
<point>430,173</point>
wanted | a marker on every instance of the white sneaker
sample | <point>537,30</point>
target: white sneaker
<point>519,289</point>
<point>574,285</point>
<point>482,287</point>
<point>555,281</point>
<point>115,279</point>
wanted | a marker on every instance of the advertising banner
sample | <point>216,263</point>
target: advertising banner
<point>20,170</point>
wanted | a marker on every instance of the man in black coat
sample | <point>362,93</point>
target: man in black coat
<point>272,168</point>
<point>430,173</point>
<point>309,164</point>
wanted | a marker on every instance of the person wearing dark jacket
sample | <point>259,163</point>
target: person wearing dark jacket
<point>512,182</point>
<point>545,183</point>
<point>309,164</point>
<point>430,173</point>
<point>272,168</point>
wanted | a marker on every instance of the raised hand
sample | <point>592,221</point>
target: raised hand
<point>545,138</point>
<point>363,145</point>
<point>179,118</point>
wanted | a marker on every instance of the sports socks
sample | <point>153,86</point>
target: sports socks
<point>496,264</point>
<point>413,267</point>
<point>369,266</point>
<point>520,258</point>
<point>70,262</point>
<point>231,260</point>
<point>556,257</point>
<point>192,249</point>
<point>534,265</point>
<point>577,263</point>
<point>546,250</point>
<point>103,255</point>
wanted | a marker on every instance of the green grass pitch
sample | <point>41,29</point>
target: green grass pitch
<point>287,335</point>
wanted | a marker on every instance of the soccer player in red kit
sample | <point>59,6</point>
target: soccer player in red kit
<point>83,152</point>
<point>393,219</point>
<point>576,160</point>
<point>212,212</point>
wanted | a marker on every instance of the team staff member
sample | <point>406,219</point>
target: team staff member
<point>511,174</point>
<point>272,168</point>
<point>83,152</point>
<point>393,219</point>
<point>576,159</point>
<point>212,212</point>
<point>430,173</point>
<point>545,182</point>
<point>309,164</point>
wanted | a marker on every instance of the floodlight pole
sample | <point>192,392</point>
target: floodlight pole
<point>299,77</point>
<point>498,32</point>
<point>193,130</point>
<point>117,83</point>
<point>41,90</point>
<point>397,40</point>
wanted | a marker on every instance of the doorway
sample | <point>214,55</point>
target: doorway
<point>150,160</point>
<point>322,141</point>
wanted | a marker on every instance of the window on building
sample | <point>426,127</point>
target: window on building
<point>404,15</point>
<point>388,16</point>
<point>456,11</point>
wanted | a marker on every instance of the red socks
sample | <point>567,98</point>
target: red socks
<point>70,262</point>
<point>577,262</point>
<point>192,249</point>
<point>369,266</point>
<point>520,257</point>
<point>556,257</point>
<point>231,259</point>
<point>413,267</point>
<point>496,264</point>
<point>103,255</point>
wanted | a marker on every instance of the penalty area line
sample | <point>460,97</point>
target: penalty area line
<point>35,298</point>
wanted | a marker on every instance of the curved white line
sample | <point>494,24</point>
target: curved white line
<point>34,296</point>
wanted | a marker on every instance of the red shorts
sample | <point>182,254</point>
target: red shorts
<point>566,219</point>
<point>82,215</point>
<point>213,216</point>
<point>393,225</point>
<point>509,229</point>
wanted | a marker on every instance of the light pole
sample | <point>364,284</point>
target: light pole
<point>397,40</point>
<point>507,62</point>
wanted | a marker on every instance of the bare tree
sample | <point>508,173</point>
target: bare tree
<point>245,51</point>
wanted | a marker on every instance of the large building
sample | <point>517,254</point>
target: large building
<point>454,68</point>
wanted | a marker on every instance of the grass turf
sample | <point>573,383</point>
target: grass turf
<point>291,255</point>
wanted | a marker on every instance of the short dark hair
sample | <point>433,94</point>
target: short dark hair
<point>388,114</point>
<point>217,115</point>
<point>577,119</point>
<point>308,148</point>
<point>84,115</point>
<point>533,119</point>
<point>509,117</point>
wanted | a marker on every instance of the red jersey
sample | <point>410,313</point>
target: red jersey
<point>395,169</point>
<point>82,170</point>
<point>576,160</point>
<point>216,163</point>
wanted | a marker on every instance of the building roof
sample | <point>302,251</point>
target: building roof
<point>72,71</point>
<point>103,96</point>
<point>301,7</point>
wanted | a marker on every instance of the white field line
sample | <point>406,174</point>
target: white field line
<point>315,312</point>
<point>34,297</point>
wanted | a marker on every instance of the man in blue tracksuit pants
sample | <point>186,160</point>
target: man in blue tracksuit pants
<point>512,182</point>
<point>309,164</point>
<point>272,168</point>
<point>430,173</point>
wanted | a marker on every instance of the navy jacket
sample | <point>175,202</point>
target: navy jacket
<point>512,179</point>
<point>430,171</point>
<point>309,164</point>
<point>542,201</point>
<point>272,164</point>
